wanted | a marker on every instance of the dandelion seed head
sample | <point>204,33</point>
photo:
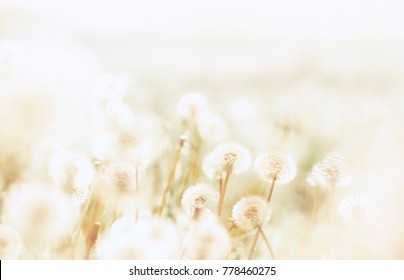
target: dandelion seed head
<point>207,240</point>
<point>123,248</point>
<point>190,106</point>
<point>108,90</point>
<point>330,172</point>
<point>140,142</point>
<point>73,173</point>
<point>280,167</point>
<point>145,239</point>
<point>11,243</point>
<point>122,226</point>
<point>212,127</point>
<point>10,53</point>
<point>199,196</point>
<point>39,213</point>
<point>117,115</point>
<point>102,146</point>
<point>120,177</point>
<point>230,157</point>
<point>42,153</point>
<point>160,236</point>
<point>251,211</point>
<point>357,209</point>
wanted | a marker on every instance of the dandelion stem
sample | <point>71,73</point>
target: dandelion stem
<point>220,184</point>
<point>196,165</point>
<point>91,239</point>
<point>196,214</point>
<point>315,206</point>
<point>254,244</point>
<point>92,199</point>
<point>334,204</point>
<point>170,178</point>
<point>259,228</point>
<point>333,214</point>
<point>312,214</point>
<point>231,226</point>
<point>271,190</point>
<point>137,192</point>
<point>223,192</point>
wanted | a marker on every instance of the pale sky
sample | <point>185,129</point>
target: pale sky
<point>286,18</point>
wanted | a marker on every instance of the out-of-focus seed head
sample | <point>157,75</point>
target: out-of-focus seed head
<point>280,167</point>
<point>198,197</point>
<point>330,172</point>
<point>153,239</point>
<point>161,237</point>
<point>41,214</point>
<point>207,240</point>
<point>191,106</point>
<point>211,127</point>
<point>357,209</point>
<point>141,141</point>
<point>42,153</point>
<point>251,211</point>
<point>103,146</point>
<point>10,54</point>
<point>123,248</point>
<point>118,114</point>
<point>120,177</point>
<point>109,89</point>
<point>73,173</point>
<point>11,244</point>
<point>229,157</point>
<point>122,226</point>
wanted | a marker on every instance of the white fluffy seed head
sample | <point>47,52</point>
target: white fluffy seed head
<point>357,209</point>
<point>109,89</point>
<point>251,211</point>
<point>198,197</point>
<point>73,173</point>
<point>41,214</point>
<point>123,248</point>
<point>228,157</point>
<point>280,167</point>
<point>122,226</point>
<point>190,106</point>
<point>211,127</point>
<point>330,172</point>
<point>146,239</point>
<point>11,244</point>
<point>42,153</point>
<point>120,177</point>
<point>207,240</point>
<point>140,141</point>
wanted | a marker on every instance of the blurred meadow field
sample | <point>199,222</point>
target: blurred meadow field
<point>201,129</point>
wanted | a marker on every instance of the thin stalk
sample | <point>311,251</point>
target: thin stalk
<point>91,238</point>
<point>231,226</point>
<point>271,190</point>
<point>334,204</point>
<point>220,184</point>
<point>266,242</point>
<point>170,179</point>
<point>333,214</point>
<point>223,192</point>
<point>196,164</point>
<point>312,214</point>
<point>196,214</point>
<point>92,203</point>
<point>254,244</point>
<point>137,192</point>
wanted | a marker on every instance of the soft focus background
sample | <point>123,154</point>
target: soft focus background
<point>306,78</point>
